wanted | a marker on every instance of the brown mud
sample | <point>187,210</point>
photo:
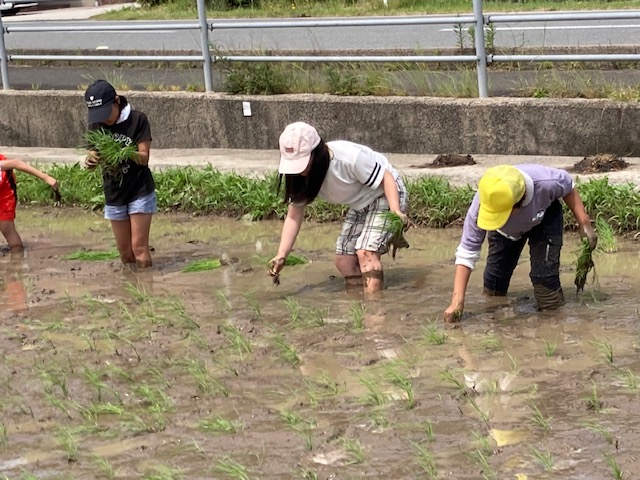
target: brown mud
<point>601,163</point>
<point>108,373</point>
<point>447,160</point>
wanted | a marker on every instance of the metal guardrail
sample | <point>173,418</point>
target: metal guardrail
<point>478,19</point>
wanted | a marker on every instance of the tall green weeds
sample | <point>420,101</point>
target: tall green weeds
<point>434,202</point>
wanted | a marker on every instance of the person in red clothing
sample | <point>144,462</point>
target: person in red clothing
<point>8,197</point>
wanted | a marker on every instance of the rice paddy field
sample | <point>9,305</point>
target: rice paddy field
<point>202,368</point>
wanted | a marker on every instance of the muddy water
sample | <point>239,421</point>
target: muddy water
<point>112,374</point>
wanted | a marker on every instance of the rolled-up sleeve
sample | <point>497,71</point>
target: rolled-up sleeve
<point>468,251</point>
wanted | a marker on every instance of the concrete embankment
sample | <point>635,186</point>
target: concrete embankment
<point>496,126</point>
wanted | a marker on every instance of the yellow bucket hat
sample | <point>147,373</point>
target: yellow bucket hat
<point>500,188</point>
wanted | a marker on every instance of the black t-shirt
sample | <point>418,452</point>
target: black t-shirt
<point>133,181</point>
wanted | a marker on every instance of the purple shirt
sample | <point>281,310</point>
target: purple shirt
<point>543,186</point>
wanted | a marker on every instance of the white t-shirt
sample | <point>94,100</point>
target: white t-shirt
<point>355,175</point>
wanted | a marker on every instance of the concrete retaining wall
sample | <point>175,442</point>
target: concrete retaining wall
<point>388,124</point>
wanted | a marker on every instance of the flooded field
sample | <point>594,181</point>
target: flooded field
<point>164,374</point>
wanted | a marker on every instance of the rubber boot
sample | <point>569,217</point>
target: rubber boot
<point>547,298</point>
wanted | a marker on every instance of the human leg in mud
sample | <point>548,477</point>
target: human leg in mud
<point>131,225</point>
<point>545,243</point>
<point>9,232</point>
<point>346,259</point>
<point>502,259</point>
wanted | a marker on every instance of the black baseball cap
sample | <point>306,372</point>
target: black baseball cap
<point>99,96</point>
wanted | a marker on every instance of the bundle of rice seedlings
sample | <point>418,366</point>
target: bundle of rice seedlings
<point>393,223</point>
<point>112,153</point>
<point>92,255</point>
<point>202,265</point>
<point>584,264</point>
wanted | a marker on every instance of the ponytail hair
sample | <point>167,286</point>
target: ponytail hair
<point>305,189</point>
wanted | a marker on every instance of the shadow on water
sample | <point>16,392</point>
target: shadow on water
<point>126,375</point>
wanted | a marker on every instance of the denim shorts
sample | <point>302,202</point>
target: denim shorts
<point>146,204</point>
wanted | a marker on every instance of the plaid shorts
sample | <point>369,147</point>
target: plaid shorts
<point>366,229</point>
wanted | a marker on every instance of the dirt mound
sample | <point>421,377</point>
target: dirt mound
<point>600,163</point>
<point>447,160</point>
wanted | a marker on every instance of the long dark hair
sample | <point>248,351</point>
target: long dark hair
<point>299,189</point>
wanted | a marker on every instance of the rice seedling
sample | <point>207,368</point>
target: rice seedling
<point>93,411</point>
<point>300,425</point>
<point>484,443</point>
<point>629,378</point>
<point>202,265</point>
<point>616,471</point>
<point>287,351</point>
<point>584,264</point>
<point>427,429</point>
<point>318,316</point>
<point>59,404</point>
<point>28,476</point>
<point>294,308</point>
<point>254,306</point>
<point>357,316</point>
<point>105,467</point>
<point>307,474</point>
<point>379,419</point>
<point>550,347</point>
<point>404,383</point>
<point>374,396</point>
<point>393,223</point>
<point>545,458</point>
<point>607,242</point>
<point>482,459</point>
<point>322,386</point>
<point>219,425</point>
<point>238,341</point>
<point>448,377</point>
<point>492,342</point>
<point>294,259</point>
<point>514,364</point>
<point>4,436</point>
<point>112,153</point>
<point>601,430</point>
<point>426,462</point>
<point>354,449</point>
<point>232,469</point>
<point>484,415</point>
<point>606,349</point>
<point>94,378</point>
<point>155,398</point>
<point>539,419</point>
<point>592,401</point>
<point>223,298</point>
<point>163,472</point>
<point>433,334</point>
<point>53,377</point>
<point>92,255</point>
<point>205,382</point>
<point>70,444</point>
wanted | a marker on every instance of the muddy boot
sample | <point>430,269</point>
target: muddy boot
<point>547,298</point>
<point>492,293</point>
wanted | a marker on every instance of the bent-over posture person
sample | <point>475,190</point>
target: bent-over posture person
<point>516,204</point>
<point>341,172</point>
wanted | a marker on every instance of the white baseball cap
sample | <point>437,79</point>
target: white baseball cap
<point>297,141</point>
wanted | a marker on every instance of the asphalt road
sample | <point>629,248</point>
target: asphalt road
<point>369,38</point>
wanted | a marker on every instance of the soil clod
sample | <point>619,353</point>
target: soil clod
<point>602,162</point>
<point>448,160</point>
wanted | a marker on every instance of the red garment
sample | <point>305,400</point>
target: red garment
<point>8,193</point>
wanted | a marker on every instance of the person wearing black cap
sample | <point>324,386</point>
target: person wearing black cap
<point>130,194</point>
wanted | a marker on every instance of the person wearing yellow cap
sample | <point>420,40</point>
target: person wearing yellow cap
<point>341,172</point>
<point>513,205</point>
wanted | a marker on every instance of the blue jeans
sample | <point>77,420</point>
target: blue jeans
<point>146,204</point>
<point>545,243</point>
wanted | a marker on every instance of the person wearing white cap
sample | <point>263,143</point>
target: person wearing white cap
<point>341,172</point>
<point>515,204</point>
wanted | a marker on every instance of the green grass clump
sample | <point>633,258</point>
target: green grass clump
<point>92,255</point>
<point>112,152</point>
<point>202,265</point>
<point>584,264</point>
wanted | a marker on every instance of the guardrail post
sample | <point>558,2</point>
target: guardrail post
<point>4,64</point>
<point>483,91</point>
<point>204,34</point>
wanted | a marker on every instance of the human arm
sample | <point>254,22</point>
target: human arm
<point>144,150</point>
<point>460,282</point>
<point>15,164</point>
<point>574,202</point>
<point>290,229</point>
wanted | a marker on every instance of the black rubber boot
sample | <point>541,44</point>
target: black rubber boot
<point>547,298</point>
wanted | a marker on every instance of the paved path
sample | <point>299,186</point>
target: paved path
<point>259,162</point>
